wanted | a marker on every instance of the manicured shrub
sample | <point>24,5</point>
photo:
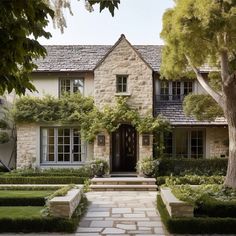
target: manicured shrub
<point>183,166</point>
<point>42,180</point>
<point>208,206</point>
<point>195,225</point>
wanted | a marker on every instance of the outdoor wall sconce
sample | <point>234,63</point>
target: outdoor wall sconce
<point>101,140</point>
<point>146,140</point>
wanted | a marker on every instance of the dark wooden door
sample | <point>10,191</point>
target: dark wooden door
<point>124,149</point>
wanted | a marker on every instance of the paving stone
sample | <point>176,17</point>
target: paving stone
<point>150,224</point>
<point>88,230</point>
<point>102,223</point>
<point>134,215</point>
<point>126,226</point>
<point>121,210</point>
<point>97,214</point>
<point>113,231</point>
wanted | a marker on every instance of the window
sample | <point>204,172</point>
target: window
<point>164,90</point>
<point>188,87</point>
<point>121,83</point>
<point>61,145</point>
<point>71,85</point>
<point>184,143</point>
<point>174,90</point>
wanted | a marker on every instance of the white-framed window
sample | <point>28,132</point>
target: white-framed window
<point>71,85</point>
<point>61,145</point>
<point>121,83</point>
<point>174,90</point>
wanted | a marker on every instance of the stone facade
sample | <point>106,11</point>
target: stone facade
<point>217,142</point>
<point>102,151</point>
<point>124,60</point>
<point>27,145</point>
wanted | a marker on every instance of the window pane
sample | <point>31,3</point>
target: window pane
<point>78,85</point>
<point>164,90</point>
<point>197,144</point>
<point>188,87</point>
<point>181,139</point>
<point>176,90</point>
<point>121,83</point>
<point>67,157</point>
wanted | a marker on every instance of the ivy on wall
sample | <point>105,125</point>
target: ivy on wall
<point>81,111</point>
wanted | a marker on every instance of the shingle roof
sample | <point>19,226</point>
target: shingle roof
<point>173,111</point>
<point>86,57</point>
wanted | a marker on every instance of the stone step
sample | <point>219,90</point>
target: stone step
<point>129,187</point>
<point>124,181</point>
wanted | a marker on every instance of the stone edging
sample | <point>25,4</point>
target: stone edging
<point>65,206</point>
<point>174,206</point>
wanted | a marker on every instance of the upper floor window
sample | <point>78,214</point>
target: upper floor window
<point>175,90</point>
<point>121,83</point>
<point>71,85</point>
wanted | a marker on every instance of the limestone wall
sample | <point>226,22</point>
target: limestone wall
<point>216,142</point>
<point>27,145</point>
<point>102,151</point>
<point>123,60</point>
<point>145,151</point>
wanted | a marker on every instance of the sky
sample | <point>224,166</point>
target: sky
<point>139,20</point>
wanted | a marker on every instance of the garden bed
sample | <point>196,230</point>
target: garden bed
<point>36,216</point>
<point>214,210</point>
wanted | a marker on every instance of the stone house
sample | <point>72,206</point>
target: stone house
<point>105,72</point>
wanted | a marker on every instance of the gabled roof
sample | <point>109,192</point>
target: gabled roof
<point>173,111</point>
<point>122,37</point>
<point>86,57</point>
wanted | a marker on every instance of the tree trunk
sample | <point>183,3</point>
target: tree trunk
<point>230,113</point>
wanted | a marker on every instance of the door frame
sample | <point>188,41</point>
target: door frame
<point>112,147</point>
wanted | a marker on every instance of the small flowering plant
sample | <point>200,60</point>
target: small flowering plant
<point>99,167</point>
<point>148,166</point>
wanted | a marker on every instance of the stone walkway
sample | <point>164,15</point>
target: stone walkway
<point>121,213</point>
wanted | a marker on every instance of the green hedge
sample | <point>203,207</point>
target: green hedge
<point>196,225</point>
<point>190,179</point>
<point>12,201</point>
<point>44,224</point>
<point>183,166</point>
<point>42,180</point>
<point>208,206</point>
<point>57,172</point>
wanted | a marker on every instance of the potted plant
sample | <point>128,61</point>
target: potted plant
<point>147,166</point>
<point>99,167</point>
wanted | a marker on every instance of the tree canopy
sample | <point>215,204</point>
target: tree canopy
<point>22,22</point>
<point>200,33</point>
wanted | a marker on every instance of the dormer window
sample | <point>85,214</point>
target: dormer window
<point>71,85</point>
<point>121,83</point>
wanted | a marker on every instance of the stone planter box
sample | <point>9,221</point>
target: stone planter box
<point>65,206</point>
<point>174,206</point>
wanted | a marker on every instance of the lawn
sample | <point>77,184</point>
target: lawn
<point>25,193</point>
<point>20,211</point>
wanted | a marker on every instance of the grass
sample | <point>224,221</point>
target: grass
<point>24,193</point>
<point>20,212</point>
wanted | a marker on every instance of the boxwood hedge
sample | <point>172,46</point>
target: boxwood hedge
<point>196,225</point>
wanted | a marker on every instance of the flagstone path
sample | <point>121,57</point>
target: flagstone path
<point>121,213</point>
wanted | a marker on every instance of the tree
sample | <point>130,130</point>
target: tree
<point>22,22</point>
<point>204,32</point>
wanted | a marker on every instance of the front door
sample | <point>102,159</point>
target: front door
<point>124,149</point>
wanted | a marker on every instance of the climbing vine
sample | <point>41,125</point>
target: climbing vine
<point>81,111</point>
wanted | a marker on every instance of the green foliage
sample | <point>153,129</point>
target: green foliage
<point>4,137</point>
<point>195,225</point>
<point>22,23</point>
<point>202,107</point>
<point>80,111</point>
<point>209,206</point>
<point>199,30</point>
<point>61,192</point>
<point>148,166</point>
<point>183,166</point>
<point>190,179</point>
<point>99,167</point>
<point>41,180</point>
<point>82,171</point>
